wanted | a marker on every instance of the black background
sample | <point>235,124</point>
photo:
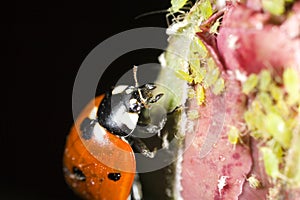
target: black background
<point>46,46</point>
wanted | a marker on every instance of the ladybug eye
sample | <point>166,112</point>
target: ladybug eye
<point>150,86</point>
<point>134,106</point>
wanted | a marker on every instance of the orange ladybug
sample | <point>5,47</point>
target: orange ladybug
<point>99,162</point>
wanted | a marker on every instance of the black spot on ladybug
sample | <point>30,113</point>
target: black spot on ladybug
<point>79,175</point>
<point>87,128</point>
<point>114,176</point>
<point>101,180</point>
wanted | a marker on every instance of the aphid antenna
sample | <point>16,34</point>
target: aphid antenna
<point>170,12</point>
<point>152,13</point>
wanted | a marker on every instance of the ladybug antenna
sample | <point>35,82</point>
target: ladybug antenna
<point>135,68</point>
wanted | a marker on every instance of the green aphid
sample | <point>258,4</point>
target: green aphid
<point>278,151</point>
<point>198,46</point>
<point>233,135</point>
<point>250,84</point>
<point>253,118</point>
<point>265,100</point>
<point>265,79</point>
<point>184,76</point>
<point>276,92</point>
<point>276,126</point>
<point>292,168</point>
<point>177,5</point>
<point>219,86</point>
<point>193,114</point>
<point>199,75</point>
<point>195,70</point>
<point>211,65</point>
<point>282,108</point>
<point>291,83</point>
<point>214,28</point>
<point>197,50</point>
<point>194,64</point>
<point>271,162</point>
<point>206,9</point>
<point>248,116</point>
<point>194,59</point>
<point>257,114</point>
<point>275,7</point>
<point>257,134</point>
<point>276,148</point>
<point>200,95</point>
<point>211,77</point>
<point>191,93</point>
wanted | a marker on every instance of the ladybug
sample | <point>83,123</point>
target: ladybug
<point>99,162</point>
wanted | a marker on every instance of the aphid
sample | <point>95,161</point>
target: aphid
<point>250,84</point>
<point>219,86</point>
<point>271,162</point>
<point>292,85</point>
<point>184,75</point>
<point>200,95</point>
<point>277,128</point>
<point>254,182</point>
<point>176,7</point>
<point>191,93</point>
<point>214,28</point>
<point>212,73</point>
<point>233,135</point>
<point>193,114</point>
<point>265,80</point>
<point>206,9</point>
<point>274,7</point>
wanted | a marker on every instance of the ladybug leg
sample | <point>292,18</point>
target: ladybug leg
<point>144,118</point>
<point>174,110</point>
<point>141,147</point>
<point>156,98</point>
<point>136,190</point>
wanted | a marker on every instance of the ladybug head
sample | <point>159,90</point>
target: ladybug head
<point>120,110</point>
<point>142,97</point>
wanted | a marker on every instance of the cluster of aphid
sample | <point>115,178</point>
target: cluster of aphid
<point>276,7</point>
<point>203,75</point>
<point>202,71</point>
<point>273,118</point>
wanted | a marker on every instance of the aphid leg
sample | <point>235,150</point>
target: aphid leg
<point>188,5</point>
<point>167,18</point>
<point>179,17</point>
<point>141,147</point>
